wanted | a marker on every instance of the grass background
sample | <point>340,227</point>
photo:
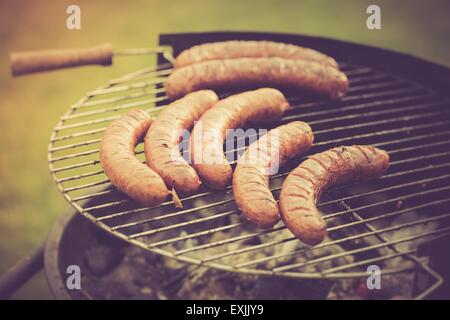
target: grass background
<point>30,106</point>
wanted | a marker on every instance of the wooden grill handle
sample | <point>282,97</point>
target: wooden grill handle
<point>44,60</point>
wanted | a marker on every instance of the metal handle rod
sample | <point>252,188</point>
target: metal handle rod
<point>21,272</point>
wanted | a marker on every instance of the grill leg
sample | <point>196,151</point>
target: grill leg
<point>21,272</point>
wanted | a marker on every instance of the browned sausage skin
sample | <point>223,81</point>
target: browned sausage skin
<point>120,164</point>
<point>250,49</point>
<point>251,176</point>
<point>208,135</point>
<point>164,135</point>
<point>275,72</point>
<point>302,188</point>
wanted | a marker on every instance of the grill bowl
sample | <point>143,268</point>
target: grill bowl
<point>396,102</point>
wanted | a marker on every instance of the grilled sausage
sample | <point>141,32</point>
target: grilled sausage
<point>250,49</point>
<point>302,188</point>
<point>209,133</point>
<point>120,164</point>
<point>164,135</point>
<point>276,72</point>
<point>263,157</point>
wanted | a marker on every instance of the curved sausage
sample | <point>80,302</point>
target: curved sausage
<point>164,135</point>
<point>245,72</point>
<point>120,164</point>
<point>250,49</point>
<point>262,158</point>
<point>303,186</point>
<point>209,133</point>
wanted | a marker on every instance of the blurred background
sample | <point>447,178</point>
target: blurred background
<point>30,106</point>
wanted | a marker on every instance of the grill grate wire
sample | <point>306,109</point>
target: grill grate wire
<point>366,220</point>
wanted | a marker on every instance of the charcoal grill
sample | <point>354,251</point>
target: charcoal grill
<point>396,102</point>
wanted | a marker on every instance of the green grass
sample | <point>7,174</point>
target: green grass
<point>31,106</point>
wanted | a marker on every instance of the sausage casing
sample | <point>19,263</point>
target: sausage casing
<point>303,186</point>
<point>250,49</point>
<point>208,135</point>
<point>120,164</point>
<point>244,72</point>
<point>166,132</point>
<point>263,158</point>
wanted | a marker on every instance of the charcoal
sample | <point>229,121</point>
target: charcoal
<point>101,260</point>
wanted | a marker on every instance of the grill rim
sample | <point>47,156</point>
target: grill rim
<point>196,261</point>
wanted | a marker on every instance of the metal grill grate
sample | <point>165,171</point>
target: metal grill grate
<point>380,221</point>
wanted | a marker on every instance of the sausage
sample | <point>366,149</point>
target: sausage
<point>164,135</point>
<point>303,186</point>
<point>208,135</point>
<point>263,157</point>
<point>244,72</point>
<point>120,164</point>
<point>250,49</point>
